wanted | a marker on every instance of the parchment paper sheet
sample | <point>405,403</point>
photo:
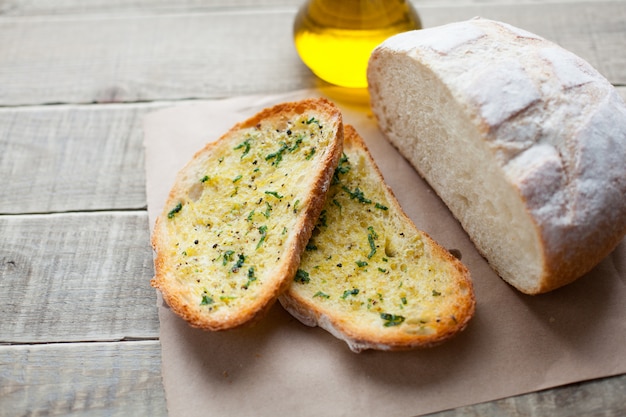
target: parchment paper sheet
<point>515,343</point>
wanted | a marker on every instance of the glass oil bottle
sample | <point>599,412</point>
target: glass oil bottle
<point>335,38</point>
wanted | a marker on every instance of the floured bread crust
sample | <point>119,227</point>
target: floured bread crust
<point>368,275</point>
<point>524,141</point>
<point>232,230</point>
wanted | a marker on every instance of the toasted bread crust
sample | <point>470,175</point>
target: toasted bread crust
<point>270,277</point>
<point>355,326</point>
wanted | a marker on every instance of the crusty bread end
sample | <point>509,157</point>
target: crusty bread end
<point>524,141</point>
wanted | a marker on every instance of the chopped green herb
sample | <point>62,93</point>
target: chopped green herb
<point>357,194</point>
<point>263,232</point>
<point>251,277</point>
<point>344,165</point>
<point>371,236</point>
<point>310,154</point>
<point>383,270</point>
<point>338,204</point>
<point>249,218</point>
<point>313,120</point>
<point>275,194</point>
<point>296,144</point>
<point>268,209</point>
<point>342,168</point>
<point>237,178</point>
<point>278,155</point>
<point>204,179</point>
<point>361,263</point>
<point>436,293</point>
<point>295,206</point>
<point>246,147</point>
<point>321,294</point>
<point>206,300</point>
<point>403,299</point>
<point>346,293</point>
<point>381,207</point>
<point>228,256</point>
<point>240,260</point>
<point>302,277</point>
<point>175,210</point>
<point>391,319</point>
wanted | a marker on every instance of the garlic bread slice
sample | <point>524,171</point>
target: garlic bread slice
<point>236,222</point>
<point>368,275</point>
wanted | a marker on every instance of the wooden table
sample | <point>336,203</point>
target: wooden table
<point>79,332</point>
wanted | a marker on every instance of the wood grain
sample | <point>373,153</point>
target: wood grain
<point>82,379</point>
<point>113,58</point>
<point>604,397</point>
<point>160,57</point>
<point>69,158</point>
<point>76,277</point>
<point>26,7</point>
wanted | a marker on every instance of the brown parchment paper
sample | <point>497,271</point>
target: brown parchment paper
<point>515,343</point>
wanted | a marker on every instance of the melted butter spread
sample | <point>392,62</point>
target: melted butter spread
<point>232,229</point>
<point>363,263</point>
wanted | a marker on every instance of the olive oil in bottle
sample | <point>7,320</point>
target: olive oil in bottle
<point>335,38</point>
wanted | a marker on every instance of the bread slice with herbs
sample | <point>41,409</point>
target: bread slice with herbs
<point>368,275</point>
<point>240,213</point>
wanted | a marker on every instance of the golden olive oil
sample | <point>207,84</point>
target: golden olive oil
<point>335,38</point>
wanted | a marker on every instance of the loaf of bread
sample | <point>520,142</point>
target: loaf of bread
<point>240,213</point>
<point>524,141</point>
<point>368,275</point>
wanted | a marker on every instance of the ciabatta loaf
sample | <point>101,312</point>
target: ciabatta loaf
<point>524,141</point>
<point>368,275</point>
<point>234,226</point>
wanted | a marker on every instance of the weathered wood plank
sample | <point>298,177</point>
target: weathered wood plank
<point>26,7</point>
<point>76,277</point>
<point>82,379</point>
<point>603,397</point>
<point>62,158</point>
<point>163,57</point>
